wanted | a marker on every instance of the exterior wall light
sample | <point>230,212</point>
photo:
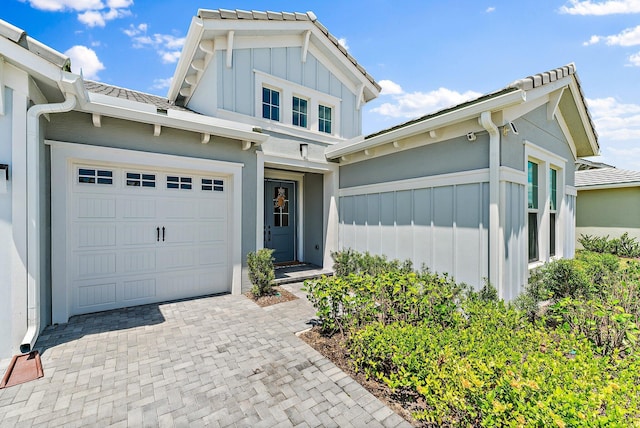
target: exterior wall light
<point>304,151</point>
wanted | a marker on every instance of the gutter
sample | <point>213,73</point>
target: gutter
<point>494,199</point>
<point>33,213</point>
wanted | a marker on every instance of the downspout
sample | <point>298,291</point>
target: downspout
<point>494,198</point>
<point>33,215</point>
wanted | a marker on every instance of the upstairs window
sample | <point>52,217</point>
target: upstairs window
<point>299,109</point>
<point>324,119</point>
<point>270,104</point>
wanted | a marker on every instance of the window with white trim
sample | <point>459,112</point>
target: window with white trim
<point>532,210</point>
<point>270,104</point>
<point>324,119</point>
<point>553,210</point>
<point>299,112</point>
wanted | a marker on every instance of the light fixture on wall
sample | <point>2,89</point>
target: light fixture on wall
<point>471,136</point>
<point>304,151</point>
<point>510,126</point>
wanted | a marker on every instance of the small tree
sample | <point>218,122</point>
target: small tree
<point>261,273</point>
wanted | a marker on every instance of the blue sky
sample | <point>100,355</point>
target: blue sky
<point>426,54</point>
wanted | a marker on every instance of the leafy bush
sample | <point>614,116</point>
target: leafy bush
<point>345,303</point>
<point>348,262</point>
<point>493,368</point>
<point>623,246</point>
<point>261,272</point>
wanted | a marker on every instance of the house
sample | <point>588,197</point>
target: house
<point>608,202</point>
<point>114,198</point>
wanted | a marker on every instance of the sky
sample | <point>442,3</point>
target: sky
<point>426,54</point>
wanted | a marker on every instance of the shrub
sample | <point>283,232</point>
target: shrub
<point>348,262</point>
<point>565,278</point>
<point>623,246</point>
<point>346,303</point>
<point>494,369</point>
<point>261,272</point>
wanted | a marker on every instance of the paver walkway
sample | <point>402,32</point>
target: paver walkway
<point>215,361</point>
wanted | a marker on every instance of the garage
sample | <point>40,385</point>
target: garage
<point>139,233</point>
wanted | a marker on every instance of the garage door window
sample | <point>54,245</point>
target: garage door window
<point>95,176</point>
<point>137,179</point>
<point>184,183</point>
<point>211,185</point>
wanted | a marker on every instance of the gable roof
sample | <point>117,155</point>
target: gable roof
<point>128,94</point>
<point>606,178</point>
<point>20,37</point>
<point>285,16</point>
<point>572,101</point>
<point>229,25</point>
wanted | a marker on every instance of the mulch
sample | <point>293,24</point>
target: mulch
<point>403,402</point>
<point>277,295</point>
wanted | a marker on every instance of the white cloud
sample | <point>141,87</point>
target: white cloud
<point>608,7</point>
<point>390,88</point>
<point>161,83</point>
<point>167,46</point>
<point>94,13</point>
<point>415,104</point>
<point>635,59</point>
<point>85,59</point>
<point>61,5</point>
<point>343,42</point>
<point>490,9</point>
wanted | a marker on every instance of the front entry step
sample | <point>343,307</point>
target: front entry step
<point>299,273</point>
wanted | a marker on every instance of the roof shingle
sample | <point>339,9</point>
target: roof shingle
<point>606,176</point>
<point>128,94</point>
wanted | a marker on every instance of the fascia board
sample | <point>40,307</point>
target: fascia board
<point>186,121</point>
<point>584,116</point>
<point>194,35</point>
<point>608,186</point>
<point>31,63</point>
<point>493,104</point>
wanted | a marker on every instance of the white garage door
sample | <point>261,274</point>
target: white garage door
<point>139,235</point>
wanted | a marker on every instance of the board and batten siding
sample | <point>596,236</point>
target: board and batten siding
<point>235,86</point>
<point>516,259</point>
<point>441,226</point>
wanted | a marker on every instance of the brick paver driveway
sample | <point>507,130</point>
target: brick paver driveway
<point>214,361</point>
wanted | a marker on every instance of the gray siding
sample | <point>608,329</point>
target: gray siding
<point>313,213</point>
<point>570,226</point>
<point>454,155</point>
<point>444,228</point>
<point>6,232</point>
<point>535,128</point>
<point>77,128</point>
<point>235,86</point>
<point>516,259</point>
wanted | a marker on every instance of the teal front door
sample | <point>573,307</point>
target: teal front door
<point>280,219</point>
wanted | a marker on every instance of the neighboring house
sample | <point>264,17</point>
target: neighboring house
<point>117,198</point>
<point>608,202</point>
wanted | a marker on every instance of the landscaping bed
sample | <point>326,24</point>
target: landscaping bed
<point>443,355</point>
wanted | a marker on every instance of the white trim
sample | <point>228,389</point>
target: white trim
<point>287,91</point>
<point>2,86</point>
<point>298,179</point>
<point>608,186</point>
<point>458,115</point>
<point>64,154</point>
<point>259,199</point>
<point>534,151</point>
<point>584,115</point>
<point>567,134</point>
<point>297,164</point>
<point>513,175</point>
<point>453,179</point>
<point>570,191</point>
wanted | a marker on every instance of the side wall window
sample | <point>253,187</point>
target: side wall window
<point>270,104</point>
<point>532,213</point>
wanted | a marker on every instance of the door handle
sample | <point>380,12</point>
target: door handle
<point>157,234</point>
<point>162,233</point>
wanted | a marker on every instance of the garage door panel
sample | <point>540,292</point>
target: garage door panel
<point>91,295</point>
<point>213,281</point>
<point>213,208</point>
<point>139,289</point>
<point>177,258</point>
<point>179,208</point>
<point>139,261</point>
<point>96,264</point>
<point>95,235</point>
<point>213,255</point>
<point>88,207</point>
<point>144,208</point>
<point>214,231</point>
<point>139,234</point>
<point>179,233</point>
